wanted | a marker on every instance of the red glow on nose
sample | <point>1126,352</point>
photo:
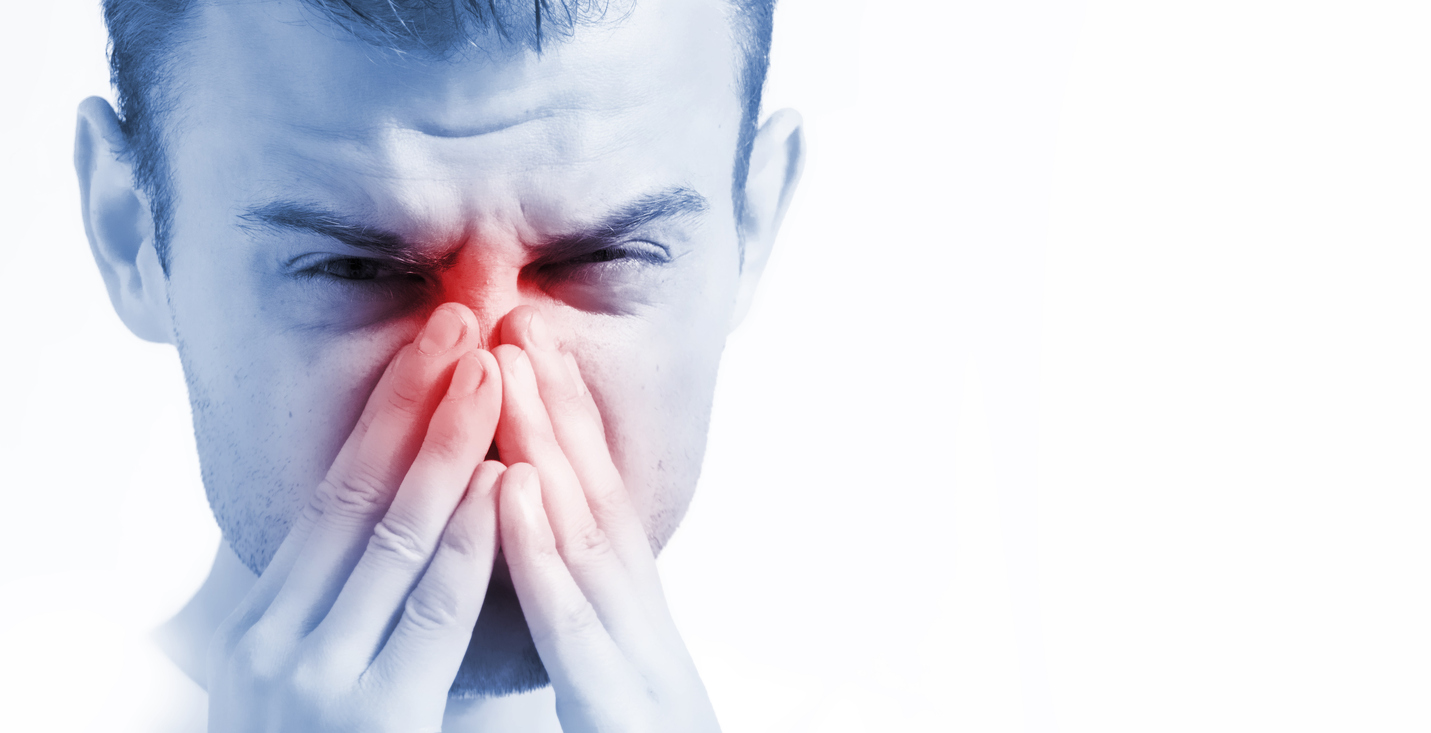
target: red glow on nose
<point>488,284</point>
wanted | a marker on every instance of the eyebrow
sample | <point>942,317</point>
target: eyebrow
<point>611,230</point>
<point>622,224</point>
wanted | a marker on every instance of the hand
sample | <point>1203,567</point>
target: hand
<point>580,560</point>
<point>361,620</point>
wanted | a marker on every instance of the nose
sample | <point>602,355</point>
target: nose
<point>490,286</point>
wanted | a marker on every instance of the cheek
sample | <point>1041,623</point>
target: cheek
<point>272,405</point>
<point>327,384</point>
<point>654,388</point>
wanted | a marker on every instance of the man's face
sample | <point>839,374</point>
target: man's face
<point>330,195</point>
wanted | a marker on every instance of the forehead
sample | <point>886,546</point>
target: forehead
<point>275,99</point>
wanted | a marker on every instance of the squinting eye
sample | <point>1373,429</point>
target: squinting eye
<point>357,270</point>
<point>351,268</point>
<point>601,255</point>
<point>647,254</point>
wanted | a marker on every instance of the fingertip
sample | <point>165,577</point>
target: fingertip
<point>485,478</point>
<point>463,313</point>
<point>516,366</point>
<point>446,327</point>
<point>468,376</point>
<point>520,492</point>
<point>506,355</point>
<point>525,532</point>
<point>521,476</point>
<point>481,499</point>
<point>488,362</point>
<point>475,370</point>
<point>515,325</point>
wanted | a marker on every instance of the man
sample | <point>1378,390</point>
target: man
<point>450,283</point>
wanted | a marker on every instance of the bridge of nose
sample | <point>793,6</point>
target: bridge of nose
<point>487,278</point>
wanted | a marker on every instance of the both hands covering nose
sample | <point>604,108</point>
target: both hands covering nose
<point>361,620</point>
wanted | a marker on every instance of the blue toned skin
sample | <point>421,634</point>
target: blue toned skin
<point>519,270</point>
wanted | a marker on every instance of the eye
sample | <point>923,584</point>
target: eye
<point>350,268</point>
<point>600,255</point>
<point>361,270</point>
<point>345,292</point>
<point>635,252</point>
<point>617,265</point>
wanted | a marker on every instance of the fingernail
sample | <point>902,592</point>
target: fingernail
<point>444,329</point>
<point>522,362</point>
<point>528,481</point>
<point>468,376</point>
<point>537,332</point>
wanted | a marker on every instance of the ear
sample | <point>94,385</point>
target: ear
<point>119,225</point>
<point>777,157</point>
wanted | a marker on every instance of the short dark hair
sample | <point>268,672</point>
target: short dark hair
<point>144,34</point>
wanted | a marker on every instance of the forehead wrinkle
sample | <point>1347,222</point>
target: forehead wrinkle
<point>436,189</point>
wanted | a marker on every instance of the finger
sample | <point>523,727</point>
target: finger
<point>401,545</point>
<point>356,493</point>
<point>612,577</point>
<point>430,638</point>
<point>629,610</point>
<point>525,435</point>
<point>576,423</point>
<point>614,509</point>
<point>582,659</point>
<point>631,606</point>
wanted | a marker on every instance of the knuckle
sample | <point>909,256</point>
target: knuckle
<point>313,510</point>
<point>398,540</point>
<point>578,620</point>
<point>543,558</point>
<point>458,539</point>
<point>256,658</point>
<point>432,607</point>
<point>590,543</point>
<point>227,636</point>
<point>609,492</point>
<point>449,443</point>
<point>306,680</point>
<point>312,679</point>
<point>355,495</point>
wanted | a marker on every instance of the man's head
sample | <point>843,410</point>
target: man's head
<point>297,184</point>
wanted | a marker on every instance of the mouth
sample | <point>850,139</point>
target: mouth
<point>492,454</point>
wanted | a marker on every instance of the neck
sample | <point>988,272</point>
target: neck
<point>185,639</point>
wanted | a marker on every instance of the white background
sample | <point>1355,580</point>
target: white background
<point>1087,390</point>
